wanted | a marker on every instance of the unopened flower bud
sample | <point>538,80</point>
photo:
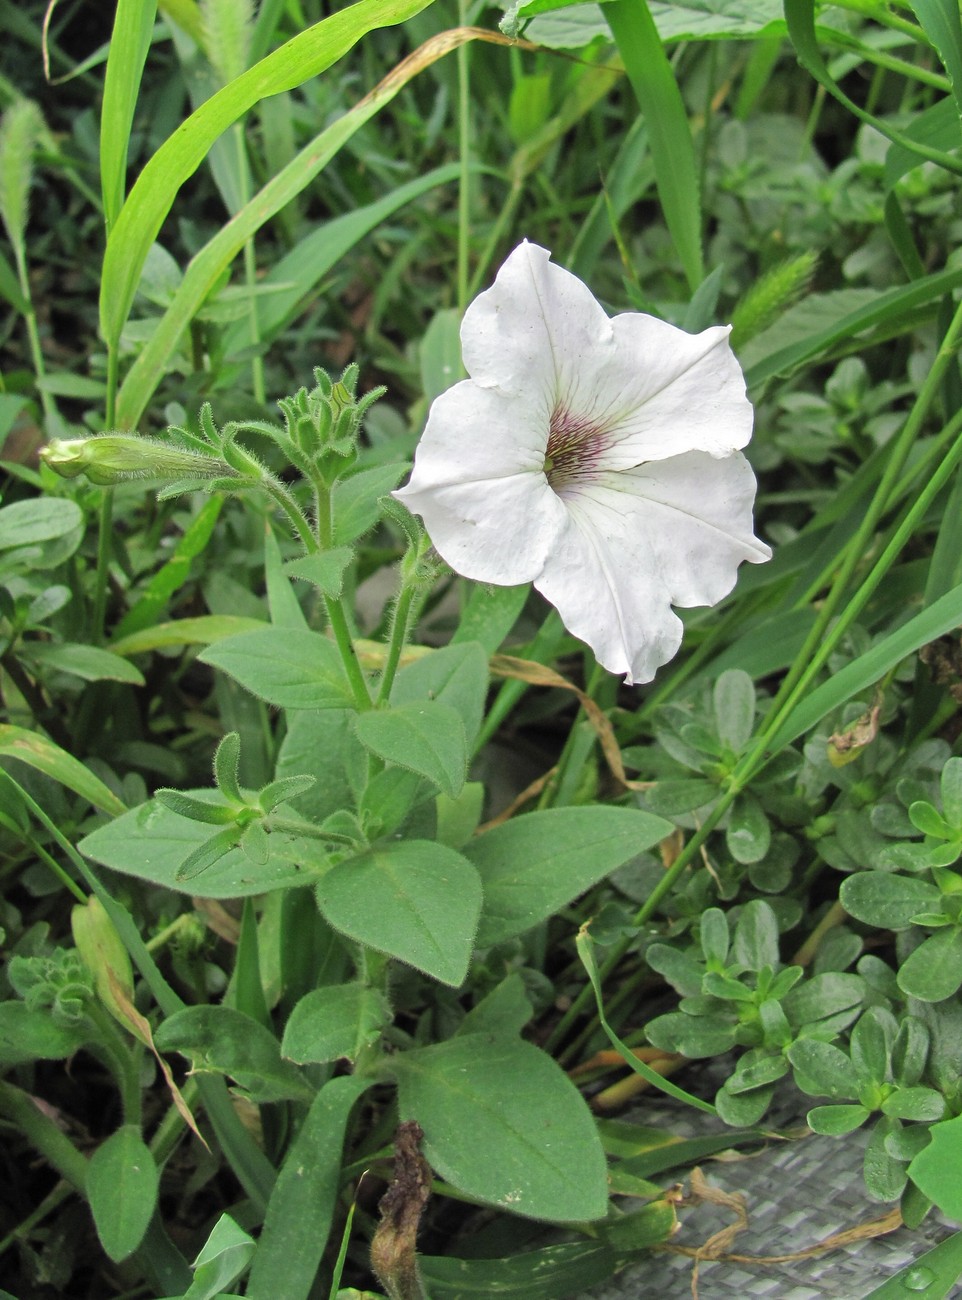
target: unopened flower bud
<point>110,458</point>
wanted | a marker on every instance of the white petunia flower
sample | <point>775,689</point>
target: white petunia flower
<point>596,457</point>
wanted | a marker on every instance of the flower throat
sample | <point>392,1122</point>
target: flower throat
<point>574,447</point>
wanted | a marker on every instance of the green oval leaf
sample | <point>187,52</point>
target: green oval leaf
<point>415,900</point>
<point>535,864</point>
<point>288,667</point>
<point>502,1122</point>
<point>224,1040</point>
<point>328,1023</point>
<point>152,843</point>
<point>424,736</point>
<point>887,901</point>
<point>122,1182</point>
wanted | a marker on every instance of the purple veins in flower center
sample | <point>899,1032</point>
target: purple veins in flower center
<point>575,445</point>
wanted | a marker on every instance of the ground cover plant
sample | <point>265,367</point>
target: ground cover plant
<point>419,736</point>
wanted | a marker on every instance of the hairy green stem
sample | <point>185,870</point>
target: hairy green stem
<point>400,626</point>
<point>336,613</point>
<point>43,1135</point>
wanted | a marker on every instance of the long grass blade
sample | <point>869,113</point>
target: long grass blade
<point>219,252</point>
<point>669,134</point>
<point>129,43</point>
<point>942,25</point>
<point>153,194</point>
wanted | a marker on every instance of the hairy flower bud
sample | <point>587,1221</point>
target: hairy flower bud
<point>110,458</point>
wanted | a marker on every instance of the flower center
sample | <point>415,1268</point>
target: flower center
<point>573,451</point>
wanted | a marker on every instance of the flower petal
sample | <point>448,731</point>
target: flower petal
<point>478,483</point>
<point>671,532</point>
<point>475,434</point>
<point>696,511</point>
<point>531,329</point>
<point>662,392</point>
<point>612,599</point>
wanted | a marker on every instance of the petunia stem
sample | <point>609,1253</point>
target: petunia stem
<point>323,496</point>
<point>403,616</point>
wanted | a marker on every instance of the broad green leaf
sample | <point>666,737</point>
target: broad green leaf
<point>457,819</point>
<point>505,1010</point>
<point>122,1183</point>
<point>885,1176</point>
<point>823,997</point>
<point>742,1109</point>
<point>222,1258</point>
<point>302,1205</point>
<point>887,901</point>
<point>919,1105</point>
<point>456,675</point>
<point>933,971</point>
<point>871,1046</point>
<point>324,569</point>
<point>152,843</point>
<point>910,1050</point>
<point>324,745</point>
<point>413,899</point>
<point>714,938</point>
<point>141,217</point>
<point>935,1170</point>
<point>225,1041</point>
<point>503,1123</point>
<point>425,736</point>
<point>44,756</point>
<point>676,20</point>
<point>391,797</point>
<point>87,662</point>
<point>356,498</point>
<point>287,667</point>
<point>333,1022</point>
<point>537,863</point>
<point>41,520</point>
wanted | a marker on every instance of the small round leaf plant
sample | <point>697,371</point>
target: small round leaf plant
<point>597,457</point>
